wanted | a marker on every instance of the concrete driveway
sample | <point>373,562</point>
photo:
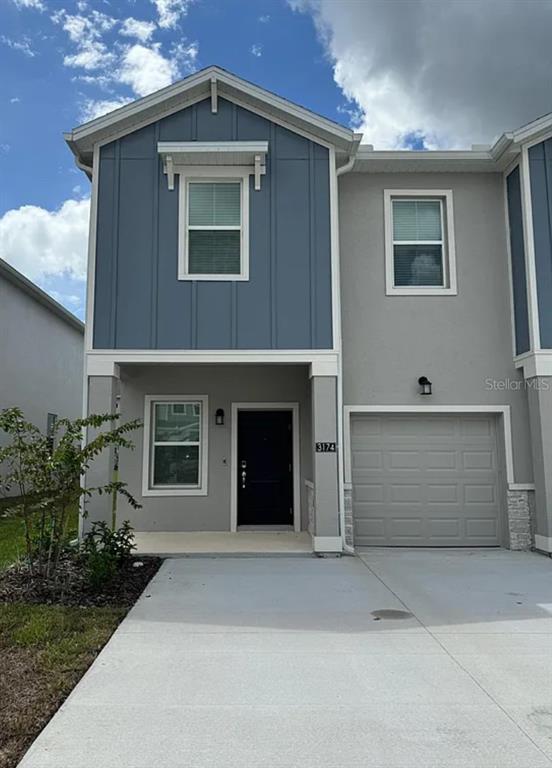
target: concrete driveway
<point>396,659</point>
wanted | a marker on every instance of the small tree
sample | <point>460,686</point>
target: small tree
<point>45,477</point>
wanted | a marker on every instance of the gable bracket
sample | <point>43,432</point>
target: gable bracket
<point>169,170</point>
<point>260,170</point>
<point>214,96</point>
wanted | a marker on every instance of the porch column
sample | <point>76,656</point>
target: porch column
<point>327,536</point>
<point>539,391</point>
<point>102,394</point>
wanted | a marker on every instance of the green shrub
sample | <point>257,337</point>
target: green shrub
<point>105,550</point>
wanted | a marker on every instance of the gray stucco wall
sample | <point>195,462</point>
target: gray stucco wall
<point>41,358</point>
<point>140,304</point>
<point>540,167</point>
<point>223,385</point>
<point>517,254</point>
<point>462,343</point>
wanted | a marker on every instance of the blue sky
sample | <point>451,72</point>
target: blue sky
<point>404,75</point>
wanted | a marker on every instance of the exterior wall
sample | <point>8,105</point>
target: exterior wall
<point>286,303</point>
<point>223,385</point>
<point>517,255</point>
<point>462,343</point>
<point>540,168</point>
<point>41,358</point>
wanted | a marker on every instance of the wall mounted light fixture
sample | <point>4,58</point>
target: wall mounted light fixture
<point>219,417</point>
<point>425,385</point>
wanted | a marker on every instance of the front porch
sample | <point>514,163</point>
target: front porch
<point>233,458</point>
<point>254,543</point>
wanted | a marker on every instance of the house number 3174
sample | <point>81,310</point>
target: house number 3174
<point>325,448</point>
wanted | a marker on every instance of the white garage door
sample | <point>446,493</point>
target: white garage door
<point>425,480</point>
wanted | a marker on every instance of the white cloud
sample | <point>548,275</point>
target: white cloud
<point>256,49</point>
<point>86,32</point>
<point>146,69</point>
<point>142,30</point>
<point>170,11</point>
<point>23,45</point>
<point>185,54</point>
<point>93,108</point>
<point>455,72</point>
<point>36,4</point>
<point>42,243</point>
<point>15,100</point>
<point>265,18</point>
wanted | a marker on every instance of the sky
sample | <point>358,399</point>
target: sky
<point>415,74</point>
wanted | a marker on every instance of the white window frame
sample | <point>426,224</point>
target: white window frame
<point>447,230</point>
<point>148,489</point>
<point>210,174</point>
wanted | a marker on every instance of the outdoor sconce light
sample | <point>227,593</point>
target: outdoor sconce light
<point>425,385</point>
<point>219,417</point>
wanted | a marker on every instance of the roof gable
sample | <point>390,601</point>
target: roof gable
<point>196,87</point>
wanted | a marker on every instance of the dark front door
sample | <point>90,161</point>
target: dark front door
<point>265,468</point>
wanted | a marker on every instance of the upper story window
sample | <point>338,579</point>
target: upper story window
<point>214,227</point>
<point>419,243</point>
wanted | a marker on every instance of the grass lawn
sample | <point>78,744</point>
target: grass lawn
<point>12,537</point>
<point>44,651</point>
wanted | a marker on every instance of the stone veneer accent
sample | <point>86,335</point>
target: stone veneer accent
<point>349,525</point>
<point>521,515</point>
<point>521,510</point>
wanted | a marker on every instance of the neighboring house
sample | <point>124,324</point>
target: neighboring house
<point>41,353</point>
<point>266,294</point>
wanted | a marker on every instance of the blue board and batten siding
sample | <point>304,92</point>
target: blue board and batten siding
<point>517,252</point>
<point>540,167</point>
<point>138,301</point>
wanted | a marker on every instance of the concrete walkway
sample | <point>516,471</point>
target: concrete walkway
<point>401,659</point>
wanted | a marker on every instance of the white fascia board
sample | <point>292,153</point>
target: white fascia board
<point>194,88</point>
<point>191,147</point>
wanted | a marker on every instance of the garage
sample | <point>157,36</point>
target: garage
<point>429,480</point>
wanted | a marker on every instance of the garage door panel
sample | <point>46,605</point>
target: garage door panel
<point>425,480</point>
<point>478,460</point>
<point>443,493</point>
<point>441,460</point>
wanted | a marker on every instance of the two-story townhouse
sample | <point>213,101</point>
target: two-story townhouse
<point>319,336</point>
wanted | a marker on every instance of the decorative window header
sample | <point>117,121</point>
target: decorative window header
<point>182,156</point>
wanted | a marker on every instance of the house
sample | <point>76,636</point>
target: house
<point>41,352</point>
<point>320,336</point>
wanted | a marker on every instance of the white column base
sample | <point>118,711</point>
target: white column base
<point>327,544</point>
<point>543,543</point>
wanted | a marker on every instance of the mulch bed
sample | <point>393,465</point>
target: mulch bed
<point>18,584</point>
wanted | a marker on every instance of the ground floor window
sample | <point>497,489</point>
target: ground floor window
<point>175,445</point>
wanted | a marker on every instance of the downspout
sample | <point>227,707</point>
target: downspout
<point>346,547</point>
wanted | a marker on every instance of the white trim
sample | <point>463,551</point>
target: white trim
<point>529,241</point>
<point>318,369</point>
<point>327,544</point>
<point>212,174</point>
<point>251,406</point>
<point>543,543</point>
<point>324,368</point>
<point>214,96</point>
<point>502,410</point>
<point>203,489</point>
<point>226,85</point>
<point>535,363</point>
<point>95,366</point>
<point>91,266</point>
<point>102,360</point>
<point>449,249</point>
<point>511,168</point>
<point>521,487</point>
